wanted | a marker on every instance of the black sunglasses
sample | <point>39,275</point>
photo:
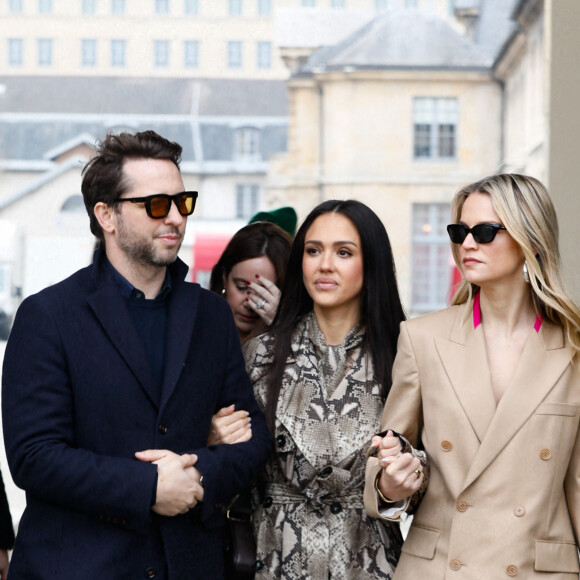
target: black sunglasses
<point>158,205</point>
<point>482,233</point>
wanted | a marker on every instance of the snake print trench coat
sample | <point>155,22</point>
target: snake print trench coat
<point>310,521</point>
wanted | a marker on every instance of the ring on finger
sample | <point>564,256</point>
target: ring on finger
<point>260,304</point>
<point>418,473</point>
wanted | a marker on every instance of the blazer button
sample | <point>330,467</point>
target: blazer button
<point>280,440</point>
<point>446,445</point>
<point>455,564</point>
<point>545,454</point>
<point>519,511</point>
<point>268,502</point>
<point>462,506</point>
<point>335,507</point>
<point>150,573</point>
<point>259,565</point>
<point>162,429</point>
<point>512,570</point>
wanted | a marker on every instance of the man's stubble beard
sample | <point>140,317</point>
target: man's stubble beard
<point>143,252</point>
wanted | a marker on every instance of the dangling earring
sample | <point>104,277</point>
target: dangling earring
<point>526,273</point>
<point>223,291</point>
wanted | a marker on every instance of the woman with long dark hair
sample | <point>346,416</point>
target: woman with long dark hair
<point>322,374</point>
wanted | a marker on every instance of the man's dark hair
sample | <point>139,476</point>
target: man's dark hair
<point>103,177</point>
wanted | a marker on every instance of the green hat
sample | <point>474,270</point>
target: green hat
<point>284,217</point>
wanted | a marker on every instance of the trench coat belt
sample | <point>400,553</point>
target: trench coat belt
<point>284,494</point>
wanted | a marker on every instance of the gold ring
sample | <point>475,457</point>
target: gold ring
<point>418,472</point>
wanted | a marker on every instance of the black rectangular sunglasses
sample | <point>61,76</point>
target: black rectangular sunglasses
<point>158,205</point>
<point>482,233</point>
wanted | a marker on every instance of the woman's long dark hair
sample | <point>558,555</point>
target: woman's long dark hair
<point>253,241</point>
<point>381,309</point>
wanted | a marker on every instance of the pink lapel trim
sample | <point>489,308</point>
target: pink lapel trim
<point>477,315</point>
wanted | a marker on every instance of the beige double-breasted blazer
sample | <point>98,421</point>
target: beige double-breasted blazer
<point>503,498</point>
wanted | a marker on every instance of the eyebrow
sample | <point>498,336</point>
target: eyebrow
<point>486,223</point>
<point>337,243</point>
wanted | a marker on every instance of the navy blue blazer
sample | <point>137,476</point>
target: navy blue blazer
<point>77,402</point>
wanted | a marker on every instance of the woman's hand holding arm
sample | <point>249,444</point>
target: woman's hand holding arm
<point>230,426</point>
<point>401,474</point>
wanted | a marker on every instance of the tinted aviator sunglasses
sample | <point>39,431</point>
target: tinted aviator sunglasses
<point>482,233</point>
<point>158,205</point>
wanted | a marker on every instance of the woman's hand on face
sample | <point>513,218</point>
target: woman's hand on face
<point>402,473</point>
<point>263,298</point>
<point>230,426</point>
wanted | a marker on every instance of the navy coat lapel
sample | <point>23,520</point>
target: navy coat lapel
<point>111,310</point>
<point>181,315</point>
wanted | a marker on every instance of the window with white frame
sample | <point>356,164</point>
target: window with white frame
<point>191,6</point>
<point>234,54</point>
<point>118,6</point>
<point>432,261</point>
<point>88,52</point>
<point>308,2</point>
<point>89,6</point>
<point>435,128</point>
<point>247,143</point>
<point>117,53</point>
<point>264,55</point>
<point>15,50</point>
<point>337,3</point>
<point>264,7</point>
<point>15,6</point>
<point>410,3</point>
<point>161,53</point>
<point>44,52</point>
<point>161,6</point>
<point>235,7</point>
<point>247,200</point>
<point>381,5</point>
<point>44,6</point>
<point>191,53</point>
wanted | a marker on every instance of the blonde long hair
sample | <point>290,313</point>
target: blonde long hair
<point>524,206</point>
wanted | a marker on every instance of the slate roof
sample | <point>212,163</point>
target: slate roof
<point>495,26</point>
<point>141,96</point>
<point>51,112</point>
<point>402,39</point>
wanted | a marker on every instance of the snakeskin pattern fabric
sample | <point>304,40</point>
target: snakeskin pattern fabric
<point>309,519</point>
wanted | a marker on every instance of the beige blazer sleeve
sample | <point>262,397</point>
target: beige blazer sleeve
<point>403,414</point>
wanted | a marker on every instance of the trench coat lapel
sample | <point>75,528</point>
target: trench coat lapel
<point>542,362</point>
<point>109,307</point>
<point>181,315</point>
<point>464,358</point>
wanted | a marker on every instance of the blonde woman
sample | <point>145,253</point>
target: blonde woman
<point>490,388</point>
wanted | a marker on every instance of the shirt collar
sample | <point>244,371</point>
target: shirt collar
<point>129,291</point>
<point>477,315</point>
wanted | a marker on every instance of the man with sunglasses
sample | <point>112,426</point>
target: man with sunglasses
<point>110,381</point>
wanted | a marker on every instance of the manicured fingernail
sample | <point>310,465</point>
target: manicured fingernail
<point>257,275</point>
<point>248,282</point>
<point>247,299</point>
<point>248,292</point>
